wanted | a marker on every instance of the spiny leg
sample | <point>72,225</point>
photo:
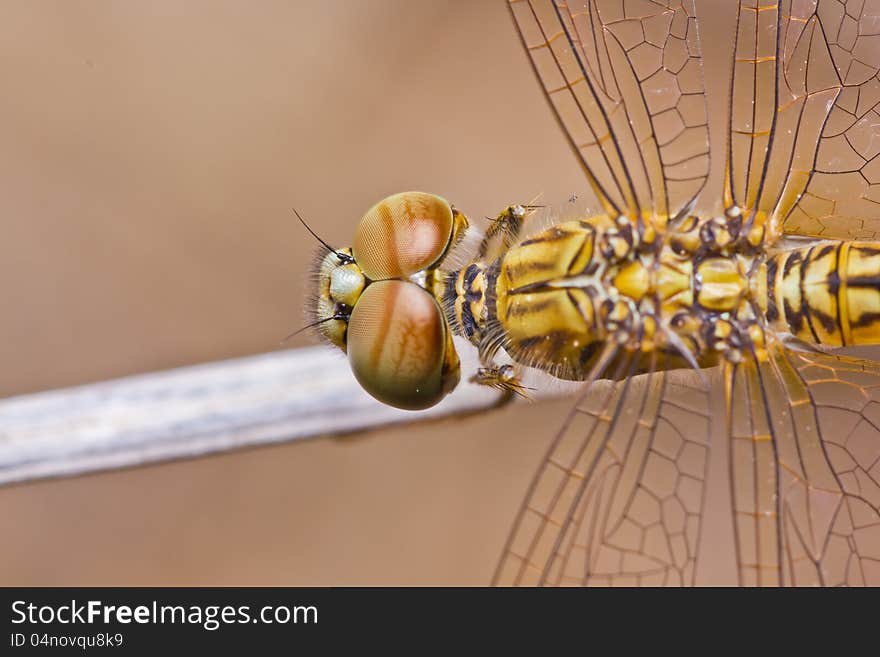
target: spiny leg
<point>506,226</point>
<point>503,378</point>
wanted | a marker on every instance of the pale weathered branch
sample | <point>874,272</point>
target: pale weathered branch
<point>274,397</point>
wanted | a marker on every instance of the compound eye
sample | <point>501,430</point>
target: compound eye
<point>403,234</point>
<point>396,345</point>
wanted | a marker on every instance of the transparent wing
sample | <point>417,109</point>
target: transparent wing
<point>805,470</point>
<point>625,80</point>
<point>619,496</point>
<point>804,138</point>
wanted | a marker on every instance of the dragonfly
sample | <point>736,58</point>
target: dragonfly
<point>698,321</point>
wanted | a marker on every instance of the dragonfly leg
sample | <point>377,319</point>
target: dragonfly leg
<point>504,230</point>
<point>503,378</point>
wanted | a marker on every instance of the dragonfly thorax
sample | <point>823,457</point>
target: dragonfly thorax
<point>555,299</point>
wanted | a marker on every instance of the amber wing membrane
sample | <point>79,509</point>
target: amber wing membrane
<point>618,499</point>
<point>625,80</point>
<point>805,470</point>
<point>803,145</point>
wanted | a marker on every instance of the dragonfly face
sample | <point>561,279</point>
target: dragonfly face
<point>373,302</point>
<point>753,296</point>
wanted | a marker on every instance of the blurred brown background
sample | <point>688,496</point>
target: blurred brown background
<point>151,155</point>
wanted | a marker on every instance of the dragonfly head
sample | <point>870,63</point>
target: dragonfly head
<point>372,301</point>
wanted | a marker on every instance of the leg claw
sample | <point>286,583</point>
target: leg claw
<point>501,378</point>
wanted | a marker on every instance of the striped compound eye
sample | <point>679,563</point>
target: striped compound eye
<point>403,234</point>
<point>399,347</point>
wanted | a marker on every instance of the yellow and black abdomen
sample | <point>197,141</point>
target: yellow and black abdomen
<point>827,294</point>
